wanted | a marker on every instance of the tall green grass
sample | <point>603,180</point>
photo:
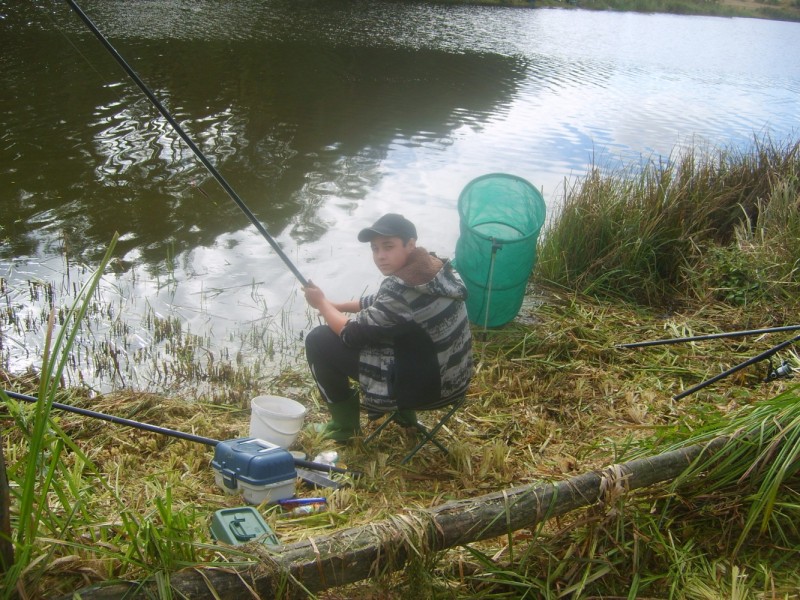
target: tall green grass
<point>653,234</point>
<point>761,463</point>
<point>43,465</point>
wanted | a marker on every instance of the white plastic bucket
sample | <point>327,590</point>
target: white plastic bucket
<point>275,419</point>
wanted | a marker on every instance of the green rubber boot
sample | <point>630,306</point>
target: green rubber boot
<point>406,418</point>
<point>344,423</point>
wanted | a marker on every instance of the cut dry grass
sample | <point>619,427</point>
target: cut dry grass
<point>550,399</point>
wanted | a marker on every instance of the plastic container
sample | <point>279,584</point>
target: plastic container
<point>261,471</point>
<point>236,526</point>
<point>329,457</point>
<point>500,217</point>
<point>304,510</point>
<point>275,419</point>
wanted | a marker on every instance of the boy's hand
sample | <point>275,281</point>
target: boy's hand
<point>316,299</point>
<point>314,296</point>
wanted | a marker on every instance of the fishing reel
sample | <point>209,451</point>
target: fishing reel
<point>784,371</point>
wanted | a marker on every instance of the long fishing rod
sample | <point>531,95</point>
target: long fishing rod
<point>168,432</point>
<point>711,336</point>
<point>739,367</point>
<point>179,130</point>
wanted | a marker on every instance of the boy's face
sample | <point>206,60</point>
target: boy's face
<point>390,254</point>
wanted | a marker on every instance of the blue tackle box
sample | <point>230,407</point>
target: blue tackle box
<point>262,471</point>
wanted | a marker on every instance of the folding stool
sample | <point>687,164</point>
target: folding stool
<point>427,434</point>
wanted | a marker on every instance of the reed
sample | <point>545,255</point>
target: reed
<point>44,452</point>
<point>118,349</point>
<point>646,234</point>
<point>760,460</point>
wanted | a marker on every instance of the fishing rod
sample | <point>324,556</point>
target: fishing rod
<point>711,336</point>
<point>169,432</point>
<point>179,130</point>
<point>783,371</point>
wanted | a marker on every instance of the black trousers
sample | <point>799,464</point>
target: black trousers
<point>332,364</point>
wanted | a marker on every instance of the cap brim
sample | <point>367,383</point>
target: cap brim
<point>366,234</point>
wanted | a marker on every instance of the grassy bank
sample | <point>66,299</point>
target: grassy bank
<point>701,244</point>
<point>720,226</point>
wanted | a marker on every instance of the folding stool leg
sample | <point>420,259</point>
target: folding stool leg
<point>428,435</point>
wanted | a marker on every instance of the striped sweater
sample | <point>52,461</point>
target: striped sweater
<point>414,337</point>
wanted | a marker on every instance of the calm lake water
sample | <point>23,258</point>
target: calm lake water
<point>322,115</point>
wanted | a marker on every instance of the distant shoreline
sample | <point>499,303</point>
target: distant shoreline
<point>776,10</point>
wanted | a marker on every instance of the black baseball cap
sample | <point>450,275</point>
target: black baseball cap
<point>390,224</point>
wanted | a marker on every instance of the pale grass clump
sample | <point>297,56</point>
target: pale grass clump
<point>645,234</point>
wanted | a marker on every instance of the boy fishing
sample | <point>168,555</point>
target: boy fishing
<point>408,346</point>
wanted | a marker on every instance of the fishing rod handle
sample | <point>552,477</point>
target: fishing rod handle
<point>323,467</point>
<point>739,367</point>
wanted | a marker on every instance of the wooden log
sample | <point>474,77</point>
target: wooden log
<point>366,551</point>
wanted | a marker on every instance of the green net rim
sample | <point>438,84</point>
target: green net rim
<point>537,193</point>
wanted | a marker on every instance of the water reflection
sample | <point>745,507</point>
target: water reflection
<point>288,125</point>
<point>131,138</point>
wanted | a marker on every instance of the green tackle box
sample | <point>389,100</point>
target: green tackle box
<point>236,526</point>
